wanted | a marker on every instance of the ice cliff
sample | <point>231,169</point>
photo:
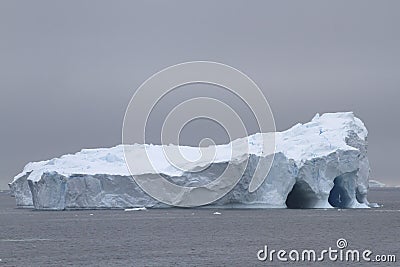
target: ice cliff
<point>319,164</point>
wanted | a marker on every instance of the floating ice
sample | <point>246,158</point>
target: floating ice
<point>136,209</point>
<point>319,164</point>
<point>375,183</point>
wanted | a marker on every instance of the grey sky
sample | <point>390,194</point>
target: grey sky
<point>69,68</point>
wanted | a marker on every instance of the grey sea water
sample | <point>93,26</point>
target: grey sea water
<point>193,237</point>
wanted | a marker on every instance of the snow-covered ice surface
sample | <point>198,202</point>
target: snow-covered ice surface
<point>319,164</point>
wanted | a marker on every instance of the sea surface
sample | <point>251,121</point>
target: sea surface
<point>194,237</point>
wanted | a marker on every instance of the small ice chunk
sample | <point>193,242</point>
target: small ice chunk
<point>136,209</point>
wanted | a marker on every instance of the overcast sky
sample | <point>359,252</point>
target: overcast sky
<point>69,68</point>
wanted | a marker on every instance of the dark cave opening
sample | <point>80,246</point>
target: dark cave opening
<point>301,197</point>
<point>339,197</point>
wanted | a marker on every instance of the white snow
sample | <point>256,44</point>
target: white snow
<point>309,155</point>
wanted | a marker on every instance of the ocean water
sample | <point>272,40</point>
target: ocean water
<point>194,237</point>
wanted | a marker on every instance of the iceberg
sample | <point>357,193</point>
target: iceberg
<point>375,183</point>
<point>320,164</point>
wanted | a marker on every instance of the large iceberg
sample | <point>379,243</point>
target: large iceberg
<point>319,164</point>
